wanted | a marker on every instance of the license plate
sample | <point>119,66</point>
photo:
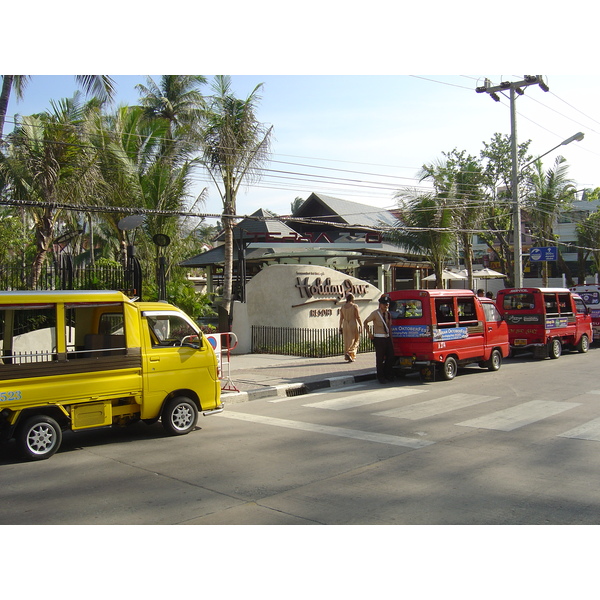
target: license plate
<point>520,343</point>
<point>406,361</point>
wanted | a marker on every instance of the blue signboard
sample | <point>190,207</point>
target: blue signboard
<point>556,322</point>
<point>543,253</point>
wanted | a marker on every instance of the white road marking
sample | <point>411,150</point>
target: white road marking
<point>366,436</point>
<point>587,431</point>
<point>434,407</point>
<point>518,416</point>
<point>365,399</point>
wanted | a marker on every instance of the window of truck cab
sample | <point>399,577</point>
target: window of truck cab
<point>169,329</point>
<point>580,306</point>
<point>564,304</point>
<point>95,329</point>
<point>444,312</point>
<point>467,313</point>
<point>491,312</point>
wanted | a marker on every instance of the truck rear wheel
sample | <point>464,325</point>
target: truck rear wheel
<point>179,416</point>
<point>449,368</point>
<point>39,437</point>
<point>554,348</point>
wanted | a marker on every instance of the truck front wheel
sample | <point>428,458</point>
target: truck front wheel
<point>584,344</point>
<point>179,416</point>
<point>39,437</point>
<point>555,348</point>
<point>495,361</point>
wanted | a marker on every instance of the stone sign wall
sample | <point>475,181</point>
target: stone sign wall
<point>303,296</point>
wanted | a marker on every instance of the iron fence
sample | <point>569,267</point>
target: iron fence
<point>58,278</point>
<point>294,341</point>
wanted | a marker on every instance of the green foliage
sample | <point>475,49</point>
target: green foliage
<point>182,294</point>
<point>424,227</point>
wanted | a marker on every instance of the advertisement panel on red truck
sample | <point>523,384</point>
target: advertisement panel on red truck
<point>436,331</point>
<point>544,320</point>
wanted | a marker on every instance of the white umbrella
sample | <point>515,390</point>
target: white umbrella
<point>445,275</point>
<point>486,273</point>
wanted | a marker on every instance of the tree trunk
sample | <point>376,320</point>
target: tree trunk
<point>228,265</point>
<point>564,268</point>
<point>468,257</point>
<point>43,236</point>
<point>7,81</point>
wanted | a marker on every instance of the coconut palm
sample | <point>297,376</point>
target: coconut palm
<point>457,179</point>
<point>137,176</point>
<point>424,227</point>
<point>49,163</point>
<point>547,193</point>
<point>235,146</point>
<point>178,100</point>
<point>101,86</point>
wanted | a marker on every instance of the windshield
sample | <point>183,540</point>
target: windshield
<point>519,301</point>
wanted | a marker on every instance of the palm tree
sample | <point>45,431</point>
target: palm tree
<point>127,147</point>
<point>18,82</point>
<point>236,145</point>
<point>101,86</point>
<point>136,175</point>
<point>424,227</point>
<point>547,195</point>
<point>458,180</point>
<point>49,162</point>
<point>177,100</point>
<point>296,204</point>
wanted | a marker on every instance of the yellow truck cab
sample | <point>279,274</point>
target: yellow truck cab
<point>83,359</point>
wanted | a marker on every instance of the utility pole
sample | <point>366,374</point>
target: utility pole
<point>515,87</point>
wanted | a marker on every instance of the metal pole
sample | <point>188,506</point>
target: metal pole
<point>518,250</point>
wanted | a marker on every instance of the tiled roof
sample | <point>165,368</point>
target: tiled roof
<point>344,211</point>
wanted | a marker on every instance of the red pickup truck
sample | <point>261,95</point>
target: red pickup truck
<point>544,320</point>
<point>436,331</point>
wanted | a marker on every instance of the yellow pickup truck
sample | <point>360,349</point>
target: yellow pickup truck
<point>82,359</point>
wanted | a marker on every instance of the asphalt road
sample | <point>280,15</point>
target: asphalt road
<point>518,446</point>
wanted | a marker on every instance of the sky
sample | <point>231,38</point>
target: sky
<point>364,137</point>
<point>358,100</point>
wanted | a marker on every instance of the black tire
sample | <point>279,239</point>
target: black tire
<point>495,361</point>
<point>39,437</point>
<point>584,344</point>
<point>449,368</point>
<point>179,416</point>
<point>554,348</point>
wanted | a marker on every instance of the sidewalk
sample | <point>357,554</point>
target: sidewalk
<point>254,376</point>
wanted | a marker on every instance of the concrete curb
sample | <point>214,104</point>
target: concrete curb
<point>293,389</point>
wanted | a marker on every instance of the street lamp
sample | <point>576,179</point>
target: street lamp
<point>518,249</point>
<point>574,138</point>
